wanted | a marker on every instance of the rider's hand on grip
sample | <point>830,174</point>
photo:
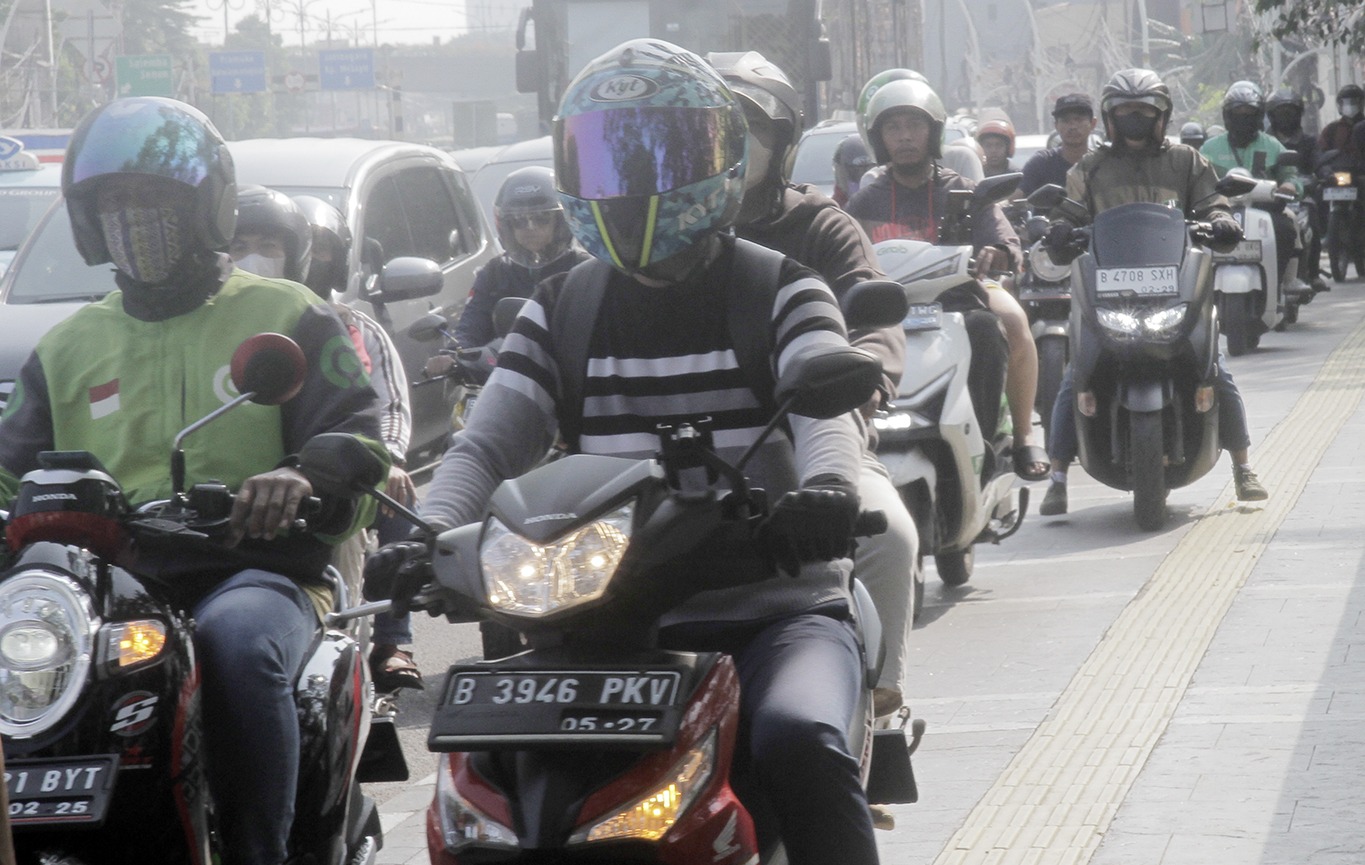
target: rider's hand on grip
<point>1065,242</point>
<point>397,572</point>
<point>1227,233</point>
<point>813,524</point>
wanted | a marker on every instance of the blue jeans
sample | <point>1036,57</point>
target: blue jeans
<point>252,633</point>
<point>391,630</point>
<point>800,679</point>
<point>1232,417</point>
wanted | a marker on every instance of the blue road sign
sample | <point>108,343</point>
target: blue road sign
<point>346,69</point>
<point>237,71</point>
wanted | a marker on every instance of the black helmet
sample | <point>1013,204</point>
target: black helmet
<point>1285,110</point>
<point>1136,85</point>
<point>1193,135</point>
<point>330,233</point>
<point>269,211</point>
<point>1351,95</point>
<point>851,162</point>
<point>530,193</point>
<point>155,137</point>
<point>764,90</point>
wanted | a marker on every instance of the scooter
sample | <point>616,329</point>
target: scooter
<point>99,688</point>
<point>1341,182</point>
<point>955,478</point>
<point>1144,347</point>
<point>1045,293</point>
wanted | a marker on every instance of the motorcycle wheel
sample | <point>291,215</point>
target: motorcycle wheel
<point>1236,310</point>
<point>955,568</point>
<point>1051,368</point>
<point>1146,450</point>
<point>918,582</point>
<point>1338,252</point>
<point>1291,314</point>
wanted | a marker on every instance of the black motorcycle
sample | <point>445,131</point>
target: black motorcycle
<point>99,688</point>
<point>1339,187</point>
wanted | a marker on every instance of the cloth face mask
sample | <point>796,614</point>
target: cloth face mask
<point>144,242</point>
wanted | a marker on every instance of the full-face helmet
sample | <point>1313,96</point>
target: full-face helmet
<point>1142,86</point>
<point>331,246</point>
<point>851,162</point>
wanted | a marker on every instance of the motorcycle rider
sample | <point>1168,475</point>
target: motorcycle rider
<point>1337,134</point>
<point>904,123</point>
<point>851,162</point>
<point>809,228</point>
<point>1193,135</point>
<point>1138,164</point>
<point>150,187</point>
<point>996,137</point>
<point>1073,115</point>
<point>661,349</point>
<point>1284,110</point>
<point>1246,146</point>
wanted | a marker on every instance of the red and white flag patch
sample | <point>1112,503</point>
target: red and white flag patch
<point>104,399</point>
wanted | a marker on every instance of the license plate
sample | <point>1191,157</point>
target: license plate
<point>1340,193</point>
<point>1142,281</point>
<point>59,791</point>
<point>486,709</point>
<point>923,316</point>
<point>1245,251</point>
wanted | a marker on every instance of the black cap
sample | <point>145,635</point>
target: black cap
<point>1074,102</point>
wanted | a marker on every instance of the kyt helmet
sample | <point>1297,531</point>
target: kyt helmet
<point>1002,128</point>
<point>1136,86</point>
<point>151,137</point>
<point>902,94</point>
<point>877,82</point>
<point>528,196</point>
<point>649,148</point>
<point>766,94</point>
<point>331,246</point>
<point>851,162</point>
<point>1193,135</point>
<point>270,212</point>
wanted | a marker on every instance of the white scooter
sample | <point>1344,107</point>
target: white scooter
<point>1252,298</point>
<point>929,439</point>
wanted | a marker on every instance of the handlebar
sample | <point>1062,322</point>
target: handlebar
<point>870,523</point>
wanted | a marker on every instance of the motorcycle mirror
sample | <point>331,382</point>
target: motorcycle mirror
<point>337,464</point>
<point>271,366</point>
<point>1233,185</point>
<point>428,328</point>
<point>875,303</point>
<point>1047,197</point>
<point>408,278</point>
<point>994,190</point>
<point>1287,158</point>
<point>505,314</point>
<point>827,381</point>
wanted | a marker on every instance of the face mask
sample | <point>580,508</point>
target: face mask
<point>1349,107</point>
<point>144,242</point>
<point>1243,129</point>
<point>270,268</point>
<point>1135,127</point>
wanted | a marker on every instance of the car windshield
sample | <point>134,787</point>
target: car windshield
<point>52,270</point>
<point>815,158</point>
<point>332,195</point>
<point>20,209</point>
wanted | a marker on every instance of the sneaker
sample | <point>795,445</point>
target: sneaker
<point>882,818</point>
<point>1320,285</point>
<point>1249,487</point>
<point>1054,502</point>
<point>885,701</point>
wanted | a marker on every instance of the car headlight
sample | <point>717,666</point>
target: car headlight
<point>462,823</point>
<point>1042,265</point>
<point>46,632</point>
<point>532,579</point>
<point>653,814</point>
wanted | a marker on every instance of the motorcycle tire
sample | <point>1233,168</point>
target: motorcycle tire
<point>1146,453</point>
<point>1236,322</point>
<point>955,568</point>
<point>918,582</point>
<point>1338,247</point>
<point>1051,368</point>
<point>1291,315</point>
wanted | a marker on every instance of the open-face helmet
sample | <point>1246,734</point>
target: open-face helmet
<point>269,212</point>
<point>1000,127</point>
<point>1193,135</point>
<point>1350,100</point>
<point>902,94</point>
<point>528,196</point>
<point>875,83</point>
<point>649,147</point>
<point>331,246</point>
<point>851,162</point>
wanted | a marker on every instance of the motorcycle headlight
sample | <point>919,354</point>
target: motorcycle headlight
<point>1119,321</point>
<point>1165,320</point>
<point>532,579</point>
<point>46,632</point>
<point>653,814</point>
<point>1343,178</point>
<point>1042,265</point>
<point>946,267</point>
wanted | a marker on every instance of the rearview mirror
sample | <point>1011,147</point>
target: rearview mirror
<point>827,381</point>
<point>875,303</point>
<point>270,366</point>
<point>994,190</point>
<point>428,328</point>
<point>1047,196</point>
<point>1288,158</point>
<point>1233,185</point>
<point>505,313</point>
<point>408,278</point>
<point>337,464</point>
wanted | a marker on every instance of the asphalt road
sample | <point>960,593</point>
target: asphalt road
<point>1244,748</point>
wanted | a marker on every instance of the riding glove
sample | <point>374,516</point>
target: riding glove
<point>813,524</point>
<point>1227,233</point>
<point>397,572</point>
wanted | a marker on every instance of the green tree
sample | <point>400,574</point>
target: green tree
<point>1319,22</point>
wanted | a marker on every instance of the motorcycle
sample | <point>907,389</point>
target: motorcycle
<point>1044,290</point>
<point>471,367</point>
<point>594,743</point>
<point>99,687</point>
<point>1144,348</point>
<point>1340,184</point>
<point>955,478</point>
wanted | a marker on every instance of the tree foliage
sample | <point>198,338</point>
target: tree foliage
<point>1318,22</point>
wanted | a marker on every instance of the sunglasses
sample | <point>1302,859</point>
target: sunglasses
<point>531,220</point>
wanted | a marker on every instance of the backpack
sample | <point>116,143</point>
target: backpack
<point>754,280</point>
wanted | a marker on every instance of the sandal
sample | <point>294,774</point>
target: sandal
<point>1029,455</point>
<point>394,668</point>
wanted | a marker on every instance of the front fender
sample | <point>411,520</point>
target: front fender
<point>1143,396</point>
<point>907,466</point>
<point>1236,279</point>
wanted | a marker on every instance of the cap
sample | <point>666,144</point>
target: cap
<point>1074,102</point>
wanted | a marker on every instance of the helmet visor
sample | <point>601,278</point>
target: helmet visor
<point>645,151</point>
<point>146,138</point>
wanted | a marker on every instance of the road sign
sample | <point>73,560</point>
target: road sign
<point>145,75</point>
<point>237,71</point>
<point>347,69</point>
<point>87,21</point>
<point>295,81</point>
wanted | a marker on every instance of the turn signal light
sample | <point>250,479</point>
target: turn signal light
<point>1085,401</point>
<point>132,643</point>
<point>1203,398</point>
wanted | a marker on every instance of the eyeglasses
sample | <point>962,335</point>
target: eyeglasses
<point>531,220</point>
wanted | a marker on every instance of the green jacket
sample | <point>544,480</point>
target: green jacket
<point>122,388</point>
<point>1225,157</point>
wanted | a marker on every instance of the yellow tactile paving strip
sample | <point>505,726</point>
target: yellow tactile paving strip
<point>1055,800</point>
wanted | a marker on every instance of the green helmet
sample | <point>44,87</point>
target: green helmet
<point>877,82</point>
<point>902,94</point>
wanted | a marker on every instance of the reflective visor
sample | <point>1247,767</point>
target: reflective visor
<point>645,151</point>
<point>144,136</point>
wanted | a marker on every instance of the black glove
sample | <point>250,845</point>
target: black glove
<point>397,572</point>
<point>1065,242</point>
<point>813,524</point>
<point>1227,233</point>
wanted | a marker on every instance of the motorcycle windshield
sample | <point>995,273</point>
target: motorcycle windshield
<point>1139,235</point>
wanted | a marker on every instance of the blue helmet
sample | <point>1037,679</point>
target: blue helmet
<point>650,150</point>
